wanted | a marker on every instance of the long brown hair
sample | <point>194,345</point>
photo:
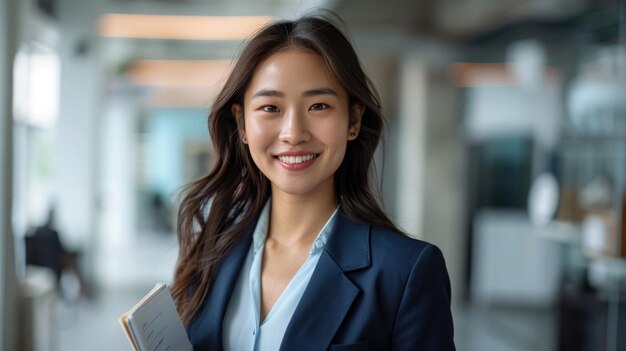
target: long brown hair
<point>216,210</point>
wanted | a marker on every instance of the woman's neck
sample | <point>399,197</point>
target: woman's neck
<point>295,220</point>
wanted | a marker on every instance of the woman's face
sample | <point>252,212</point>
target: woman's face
<point>297,122</point>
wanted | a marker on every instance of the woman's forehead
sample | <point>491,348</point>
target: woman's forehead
<point>293,71</point>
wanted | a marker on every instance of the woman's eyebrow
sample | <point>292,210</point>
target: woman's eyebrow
<point>268,92</point>
<point>319,91</point>
<point>308,93</point>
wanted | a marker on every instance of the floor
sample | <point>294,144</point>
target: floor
<point>505,329</point>
<point>125,275</point>
<point>93,324</point>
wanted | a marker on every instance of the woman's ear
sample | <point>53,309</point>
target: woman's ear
<point>237,113</point>
<point>356,113</point>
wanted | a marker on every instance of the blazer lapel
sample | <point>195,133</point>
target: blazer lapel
<point>209,325</point>
<point>330,292</point>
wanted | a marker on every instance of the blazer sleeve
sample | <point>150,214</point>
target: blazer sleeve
<point>424,319</point>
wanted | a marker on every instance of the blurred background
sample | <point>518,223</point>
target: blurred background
<point>506,147</point>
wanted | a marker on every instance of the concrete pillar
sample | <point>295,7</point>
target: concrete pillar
<point>9,293</point>
<point>118,164</point>
<point>76,160</point>
<point>411,146</point>
<point>429,191</point>
<point>75,165</point>
<point>444,191</point>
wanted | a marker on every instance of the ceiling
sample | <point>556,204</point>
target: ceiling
<point>449,19</point>
<point>398,23</point>
<point>453,19</point>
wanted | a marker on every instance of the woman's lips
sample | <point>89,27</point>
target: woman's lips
<point>296,163</point>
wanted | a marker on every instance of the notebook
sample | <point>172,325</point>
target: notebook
<point>153,324</point>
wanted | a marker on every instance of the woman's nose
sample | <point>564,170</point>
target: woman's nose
<point>294,129</point>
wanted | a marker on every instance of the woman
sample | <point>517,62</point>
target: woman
<point>283,245</point>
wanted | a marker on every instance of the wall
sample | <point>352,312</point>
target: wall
<point>132,162</point>
<point>167,132</point>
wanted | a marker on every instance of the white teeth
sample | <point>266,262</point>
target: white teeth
<point>296,159</point>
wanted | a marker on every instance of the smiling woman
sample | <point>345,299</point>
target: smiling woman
<point>283,245</point>
<point>297,129</point>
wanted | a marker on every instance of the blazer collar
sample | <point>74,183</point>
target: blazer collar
<point>311,327</point>
<point>330,293</point>
<point>349,244</point>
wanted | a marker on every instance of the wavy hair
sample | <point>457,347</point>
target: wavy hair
<point>218,208</point>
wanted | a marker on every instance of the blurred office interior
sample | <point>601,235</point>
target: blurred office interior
<point>506,147</point>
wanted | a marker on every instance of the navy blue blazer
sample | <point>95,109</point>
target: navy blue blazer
<point>372,289</point>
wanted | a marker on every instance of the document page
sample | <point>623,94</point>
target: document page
<point>154,323</point>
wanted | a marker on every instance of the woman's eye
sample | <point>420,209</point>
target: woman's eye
<point>319,106</point>
<point>269,108</point>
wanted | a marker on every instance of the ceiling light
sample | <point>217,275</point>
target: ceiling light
<point>180,27</point>
<point>181,73</point>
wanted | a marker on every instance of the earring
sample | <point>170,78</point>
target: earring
<point>244,139</point>
<point>352,134</point>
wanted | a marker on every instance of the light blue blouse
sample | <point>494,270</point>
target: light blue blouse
<point>241,328</point>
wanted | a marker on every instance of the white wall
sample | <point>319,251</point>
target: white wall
<point>8,281</point>
<point>75,168</point>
